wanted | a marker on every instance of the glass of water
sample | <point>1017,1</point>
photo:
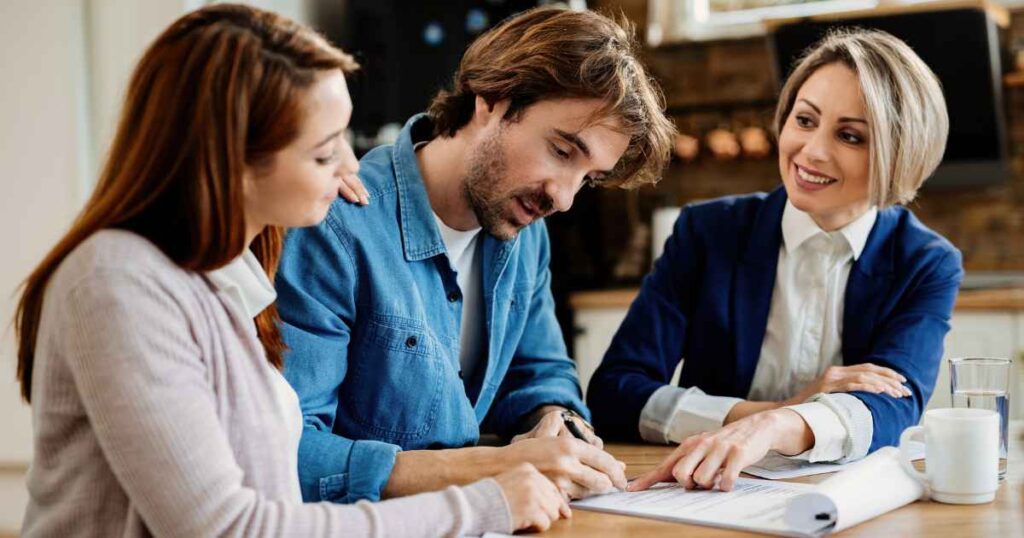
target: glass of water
<point>983,383</point>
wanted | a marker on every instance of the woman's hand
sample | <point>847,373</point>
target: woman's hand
<point>535,502</point>
<point>865,377</point>
<point>352,189</point>
<point>707,459</point>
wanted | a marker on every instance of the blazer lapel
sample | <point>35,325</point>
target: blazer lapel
<point>868,288</point>
<point>755,280</point>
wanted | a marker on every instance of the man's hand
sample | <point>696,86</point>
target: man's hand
<point>551,423</point>
<point>578,469</point>
<point>717,458</point>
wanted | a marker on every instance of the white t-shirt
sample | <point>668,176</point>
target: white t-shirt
<point>465,258</point>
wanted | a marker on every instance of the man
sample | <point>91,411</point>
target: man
<point>410,329</point>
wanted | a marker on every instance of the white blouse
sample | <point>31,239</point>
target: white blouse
<point>802,339</point>
<point>245,282</point>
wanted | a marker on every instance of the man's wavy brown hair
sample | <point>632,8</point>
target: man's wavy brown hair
<point>555,53</point>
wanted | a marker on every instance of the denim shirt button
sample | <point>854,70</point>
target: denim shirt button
<point>411,341</point>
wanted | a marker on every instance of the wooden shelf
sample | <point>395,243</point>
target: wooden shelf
<point>1014,80</point>
<point>984,299</point>
<point>997,12</point>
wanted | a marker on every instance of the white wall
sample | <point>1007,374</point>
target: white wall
<point>64,66</point>
<point>43,159</point>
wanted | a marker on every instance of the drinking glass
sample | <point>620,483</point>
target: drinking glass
<point>984,383</point>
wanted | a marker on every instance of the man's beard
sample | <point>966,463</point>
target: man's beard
<point>483,185</point>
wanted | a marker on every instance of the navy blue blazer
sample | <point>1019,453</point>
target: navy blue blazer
<point>708,296</point>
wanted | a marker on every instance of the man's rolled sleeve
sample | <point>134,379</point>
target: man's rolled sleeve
<point>340,470</point>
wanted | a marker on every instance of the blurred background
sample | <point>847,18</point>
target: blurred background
<point>64,64</point>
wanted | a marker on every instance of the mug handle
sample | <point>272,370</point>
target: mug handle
<point>911,433</point>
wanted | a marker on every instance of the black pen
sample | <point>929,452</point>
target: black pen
<point>570,425</point>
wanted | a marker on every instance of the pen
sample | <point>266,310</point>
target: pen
<point>570,425</point>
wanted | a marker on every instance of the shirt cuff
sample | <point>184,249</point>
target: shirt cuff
<point>367,472</point>
<point>829,433</point>
<point>673,413</point>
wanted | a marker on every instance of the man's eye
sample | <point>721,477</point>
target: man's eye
<point>559,151</point>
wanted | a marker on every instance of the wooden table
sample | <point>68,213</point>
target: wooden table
<point>1002,518</point>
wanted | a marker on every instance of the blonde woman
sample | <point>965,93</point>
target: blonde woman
<point>157,402</point>
<point>810,320</point>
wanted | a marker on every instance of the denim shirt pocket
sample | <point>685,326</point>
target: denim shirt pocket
<point>396,385</point>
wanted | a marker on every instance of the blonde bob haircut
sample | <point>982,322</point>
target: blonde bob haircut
<point>906,111</point>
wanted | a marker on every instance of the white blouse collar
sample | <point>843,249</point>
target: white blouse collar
<point>798,227</point>
<point>246,283</point>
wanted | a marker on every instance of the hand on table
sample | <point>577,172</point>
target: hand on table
<point>534,501</point>
<point>578,469</point>
<point>717,458</point>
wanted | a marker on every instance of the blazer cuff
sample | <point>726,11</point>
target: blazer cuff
<point>842,427</point>
<point>829,434</point>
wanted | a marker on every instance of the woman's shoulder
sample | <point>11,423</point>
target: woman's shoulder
<point>735,215</point>
<point>112,254</point>
<point>912,234</point>
<point>914,244</point>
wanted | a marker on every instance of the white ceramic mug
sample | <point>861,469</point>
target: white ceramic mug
<point>961,454</point>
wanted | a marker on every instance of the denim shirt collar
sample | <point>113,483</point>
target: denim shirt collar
<point>420,237</point>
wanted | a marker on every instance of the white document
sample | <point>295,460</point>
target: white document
<point>752,505</point>
<point>776,467</point>
<point>781,508</point>
<point>867,489</point>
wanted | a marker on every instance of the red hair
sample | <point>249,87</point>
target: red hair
<point>217,92</point>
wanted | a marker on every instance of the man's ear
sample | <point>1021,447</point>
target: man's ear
<point>485,113</point>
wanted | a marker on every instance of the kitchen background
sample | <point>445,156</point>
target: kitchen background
<point>65,63</point>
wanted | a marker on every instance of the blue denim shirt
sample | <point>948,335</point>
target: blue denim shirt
<point>371,313</point>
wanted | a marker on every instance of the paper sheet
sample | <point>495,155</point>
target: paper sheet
<point>863,490</point>
<point>753,505</point>
<point>867,489</point>
<point>776,467</point>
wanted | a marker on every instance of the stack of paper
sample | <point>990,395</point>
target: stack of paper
<point>781,508</point>
<point>777,467</point>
